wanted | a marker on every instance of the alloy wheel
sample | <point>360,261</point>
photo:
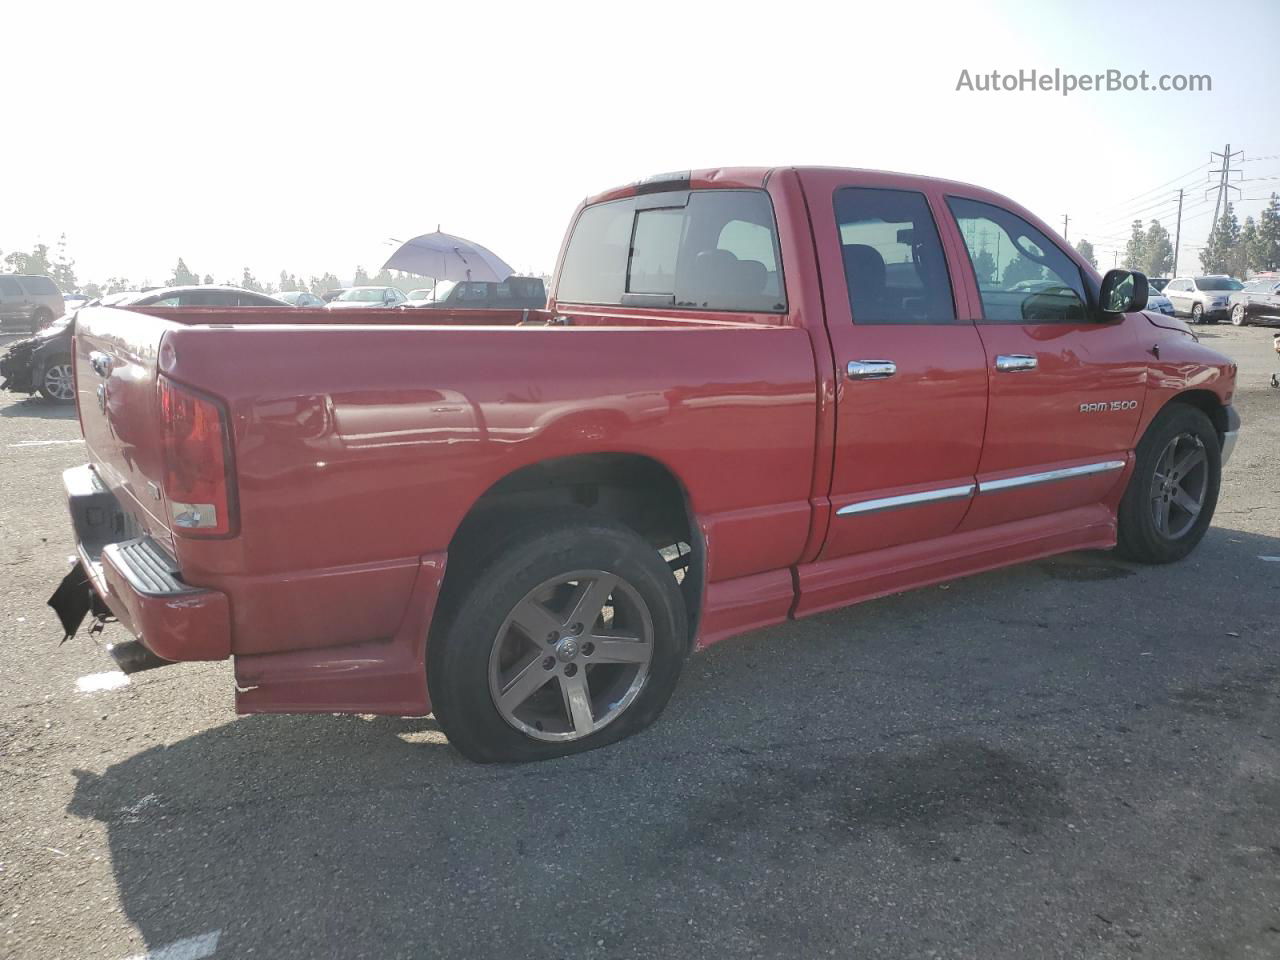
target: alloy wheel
<point>1237,315</point>
<point>1179,486</point>
<point>58,382</point>
<point>571,656</point>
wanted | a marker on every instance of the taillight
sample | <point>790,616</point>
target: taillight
<point>197,462</point>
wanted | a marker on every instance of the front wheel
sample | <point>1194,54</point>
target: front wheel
<point>571,638</point>
<point>1197,313</point>
<point>1237,315</point>
<point>57,385</point>
<point>1173,491</point>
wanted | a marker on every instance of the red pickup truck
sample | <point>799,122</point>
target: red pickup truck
<point>754,395</point>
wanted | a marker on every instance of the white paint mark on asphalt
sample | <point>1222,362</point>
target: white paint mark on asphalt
<point>97,682</point>
<point>43,443</point>
<point>192,948</point>
<point>1270,559</point>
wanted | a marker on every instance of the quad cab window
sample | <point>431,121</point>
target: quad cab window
<point>893,263</point>
<point>700,249</point>
<point>1022,275</point>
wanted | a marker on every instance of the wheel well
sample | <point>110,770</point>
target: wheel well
<point>634,490</point>
<point>1207,401</point>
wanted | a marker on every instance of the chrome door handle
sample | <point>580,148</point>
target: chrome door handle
<point>1013,362</point>
<point>871,369</point>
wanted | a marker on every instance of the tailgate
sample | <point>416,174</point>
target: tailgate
<point>116,357</point>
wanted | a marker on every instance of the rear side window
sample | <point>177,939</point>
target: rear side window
<point>894,267</point>
<point>1022,275</point>
<point>701,249</point>
<point>39,286</point>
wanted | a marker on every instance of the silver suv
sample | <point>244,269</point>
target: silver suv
<point>28,303</point>
<point>1203,299</point>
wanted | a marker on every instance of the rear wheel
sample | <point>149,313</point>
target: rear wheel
<point>1173,491</point>
<point>56,383</point>
<point>570,638</point>
<point>1197,313</point>
<point>40,319</point>
<point>1237,315</point>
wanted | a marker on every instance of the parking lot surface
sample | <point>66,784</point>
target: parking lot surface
<point>1073,758</point>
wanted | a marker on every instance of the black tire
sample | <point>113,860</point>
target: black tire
<point>488,584</point>
<point>1140,537</point>
<point>57,389</point>
<point>1197,313</point>
<point>1238,318</point>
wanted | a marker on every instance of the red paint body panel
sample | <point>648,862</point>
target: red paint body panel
<point>362,438</point>
<point>182,626</point>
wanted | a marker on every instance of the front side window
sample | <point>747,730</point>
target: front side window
<point>1022,275</point>
<point>894,267</point>
<point>704,249</point>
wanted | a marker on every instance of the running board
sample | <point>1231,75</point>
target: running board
<point>828,584</point>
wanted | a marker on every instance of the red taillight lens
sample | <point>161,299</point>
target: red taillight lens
<point>197,462</point>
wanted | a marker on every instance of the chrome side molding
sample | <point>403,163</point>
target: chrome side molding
<point>1048,476</point>
<point>907,500</point>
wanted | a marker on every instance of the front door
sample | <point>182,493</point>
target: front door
<point>912,386</point>
<point>1066,385</point>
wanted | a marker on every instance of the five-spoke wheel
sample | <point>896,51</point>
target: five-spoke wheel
<point>555,634</point>
<point>1173,490</point>
<point>571,656</point>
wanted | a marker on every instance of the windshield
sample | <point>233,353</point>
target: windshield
<point>443,289</point>
<point>1218,283</point>
<point>362,295</point>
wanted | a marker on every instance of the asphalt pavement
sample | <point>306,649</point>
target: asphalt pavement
<point>1073,758</point>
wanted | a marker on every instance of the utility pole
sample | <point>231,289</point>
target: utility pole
<point>1115,258</point>
<point>1177,235</point>
<point>1224,180</point>
<point>1065,220</point>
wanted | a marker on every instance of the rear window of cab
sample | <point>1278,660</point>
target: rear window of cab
<point>690,249</point>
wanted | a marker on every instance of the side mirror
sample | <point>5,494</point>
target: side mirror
<point>1123,291</point>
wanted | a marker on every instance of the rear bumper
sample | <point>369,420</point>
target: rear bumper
<point>138,580</point>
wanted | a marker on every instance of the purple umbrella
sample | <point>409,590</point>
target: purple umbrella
<point>443,256</point>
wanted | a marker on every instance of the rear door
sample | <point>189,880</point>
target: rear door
<point>1066,386</point>
<point>912,385</point>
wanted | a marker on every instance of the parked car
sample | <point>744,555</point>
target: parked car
<point>1158,283</point>
<point>727,417</point>
<point>1159,303</point>
<point>42,364</point>
<point>1258,301</point>
<point>523,292</point>
<point>417,297</point>
<point>366,297</point>
<point>1203,299</point>
<point>73,301</point>
<point>28,303</point>
<point>300,298</point>
<point>330,295</point>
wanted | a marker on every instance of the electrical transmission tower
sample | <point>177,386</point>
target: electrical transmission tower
<point>1224,180</point>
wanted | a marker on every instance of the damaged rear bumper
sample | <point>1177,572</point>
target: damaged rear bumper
<point>137,581</point>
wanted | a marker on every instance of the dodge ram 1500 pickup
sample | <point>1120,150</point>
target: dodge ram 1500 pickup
<point>753,395</point>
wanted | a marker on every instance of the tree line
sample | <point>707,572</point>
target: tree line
<point>1236,250</point>
<point>41,261</point>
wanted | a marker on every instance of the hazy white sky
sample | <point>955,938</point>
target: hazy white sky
<point>303,136</point>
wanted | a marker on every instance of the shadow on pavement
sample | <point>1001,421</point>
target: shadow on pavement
<point>38,408</point>
<point>743,825</point>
